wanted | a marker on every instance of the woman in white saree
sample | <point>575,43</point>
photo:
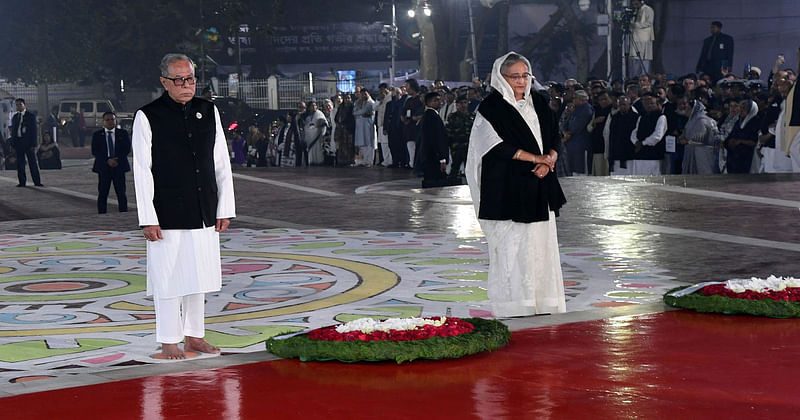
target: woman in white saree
<point>510,171</point>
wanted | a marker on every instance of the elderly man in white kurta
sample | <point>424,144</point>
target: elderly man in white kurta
<point>184,196</point>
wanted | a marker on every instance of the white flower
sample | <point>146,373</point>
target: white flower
<point>369,325</point>
<point>771,283</point>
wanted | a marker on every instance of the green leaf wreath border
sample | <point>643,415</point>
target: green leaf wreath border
<point>729,306</point>
<point>487,335</point>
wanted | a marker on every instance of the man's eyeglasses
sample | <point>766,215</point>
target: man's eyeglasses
<point>182,81</point>
<point>518,77</point>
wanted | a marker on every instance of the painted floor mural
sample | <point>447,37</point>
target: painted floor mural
<point>75,302</point>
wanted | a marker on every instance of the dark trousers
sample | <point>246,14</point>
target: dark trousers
<point>459,155</point>
<point>398,148</point>
<point>77,137</point>
<point>109,176</point>
<point>301,154</point>
<point>433,175</point>
<point>30,152</point>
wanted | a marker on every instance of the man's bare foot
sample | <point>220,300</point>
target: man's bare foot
<point>199,345</point>
<point>171,351</point>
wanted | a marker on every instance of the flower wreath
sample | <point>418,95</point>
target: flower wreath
<point>398,339</point>
<point>774,297</point>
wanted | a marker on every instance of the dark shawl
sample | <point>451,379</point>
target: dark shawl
<point>509,188</point>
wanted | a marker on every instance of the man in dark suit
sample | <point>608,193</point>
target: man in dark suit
<point>23,138</point>
<point>110,148</point>
<point>433,149</point>
<point>717,53</point>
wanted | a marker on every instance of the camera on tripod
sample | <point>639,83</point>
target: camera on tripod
<point>625,16</point>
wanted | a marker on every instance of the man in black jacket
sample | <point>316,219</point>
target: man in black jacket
<point>110,148</point>
<point>602,111</point>
<point>23,138</point>
<point>394,127</point>
<point>621,150</point>
<point>433,148</point>
<point>717,53</point>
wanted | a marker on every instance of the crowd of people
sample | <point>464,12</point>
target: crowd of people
<point>698,123</point>
<point>691,124</point>
<point>410,126</point>
<point>649,125</point>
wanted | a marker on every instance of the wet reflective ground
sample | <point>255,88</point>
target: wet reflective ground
<point>663,364</point>
<point>667,365</point>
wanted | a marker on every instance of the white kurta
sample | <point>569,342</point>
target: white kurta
<point>775,160</point>
<point>649,167</point>
<point>186,261</point>
<point>365,124</point>
<point>333,128</point>
<point>643,34</point>
<point>524,262</point>
<point>315,126</point>
<point>383,138</point>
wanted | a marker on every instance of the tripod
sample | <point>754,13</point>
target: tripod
<point>627,42</point>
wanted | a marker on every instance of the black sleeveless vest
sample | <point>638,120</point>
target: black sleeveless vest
<point>621,127</point>
<point>647,125</point>
<point>183,162</point>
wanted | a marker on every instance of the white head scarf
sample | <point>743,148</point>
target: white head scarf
<point>750,115</point>
<point>499,83</point>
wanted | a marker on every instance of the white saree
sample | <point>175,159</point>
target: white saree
<point>524,263</point>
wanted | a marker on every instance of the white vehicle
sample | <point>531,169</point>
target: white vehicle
<point>92,110</point>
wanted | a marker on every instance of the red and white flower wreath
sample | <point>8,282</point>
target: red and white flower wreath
<point>393,329</point>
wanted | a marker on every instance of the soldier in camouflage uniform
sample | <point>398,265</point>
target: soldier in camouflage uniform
<point>459,125</point>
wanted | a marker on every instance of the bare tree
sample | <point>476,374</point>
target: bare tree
<point>564,38</point>
<point>502,27</point>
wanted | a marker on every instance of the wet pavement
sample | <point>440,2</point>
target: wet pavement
<point>630,234</point>
<point>696,227</point>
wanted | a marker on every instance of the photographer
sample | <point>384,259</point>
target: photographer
<point>642,37</point>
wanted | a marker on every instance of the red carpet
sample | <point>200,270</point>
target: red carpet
<point>668,365</point>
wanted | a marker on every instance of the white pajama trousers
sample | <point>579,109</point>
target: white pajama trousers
<point>794,153</point>
<point>412,149</point>
<point>179,317</point>
<point>383,139</point>
<point>367,155</point>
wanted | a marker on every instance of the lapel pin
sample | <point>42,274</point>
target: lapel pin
<point>198,115</point>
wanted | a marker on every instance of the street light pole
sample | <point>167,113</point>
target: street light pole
<point>394,44</point>
<point>202,45</point>
<point>472,38</point>
<point>609,37</point>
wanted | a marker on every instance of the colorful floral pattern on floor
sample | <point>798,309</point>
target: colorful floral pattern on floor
<point>75,302</point>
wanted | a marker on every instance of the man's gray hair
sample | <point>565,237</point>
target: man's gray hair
<point>171,58</point>
<point>510,61</point>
